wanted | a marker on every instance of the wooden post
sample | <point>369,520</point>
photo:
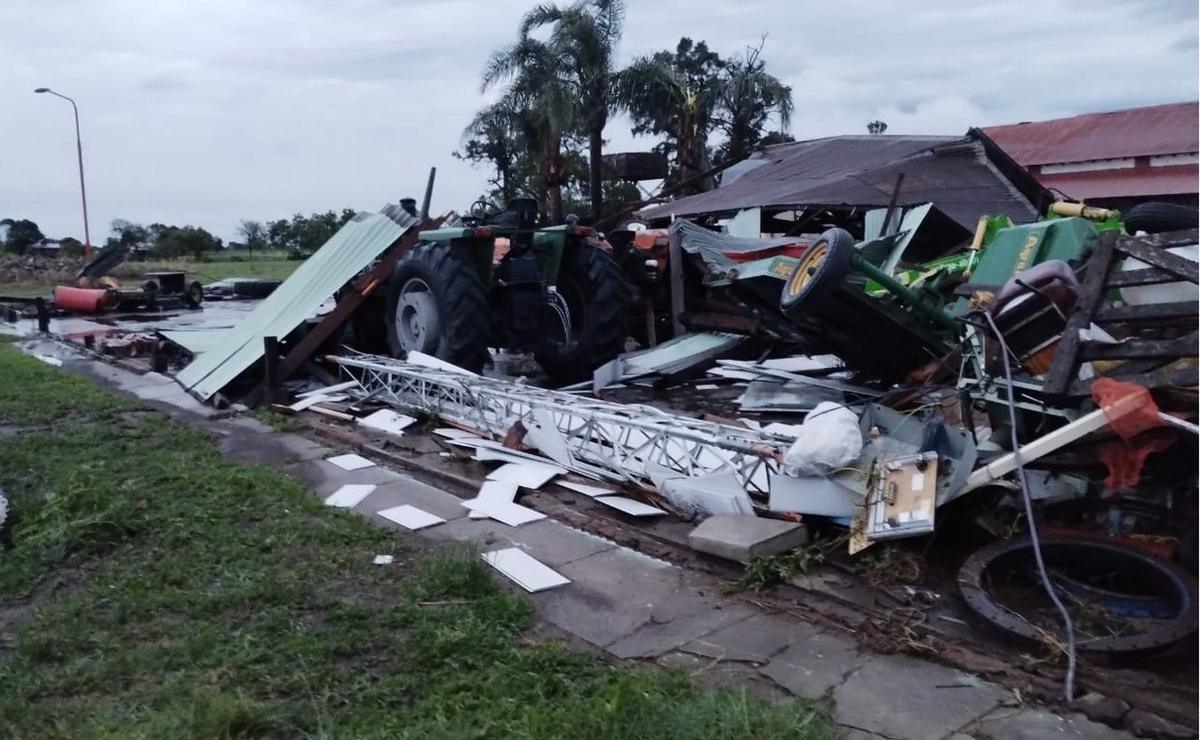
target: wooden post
<point>270,367</point>
<point>43,316</point>
<point>675,276</point>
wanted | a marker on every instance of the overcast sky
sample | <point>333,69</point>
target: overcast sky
<point>209,112</point>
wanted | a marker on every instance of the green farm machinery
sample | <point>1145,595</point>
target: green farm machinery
<point>501,281</point>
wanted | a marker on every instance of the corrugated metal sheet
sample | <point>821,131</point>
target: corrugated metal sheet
<point>1147,182</point>
<point>957,174</point>
<point>1134,132</point>
<point>196,340</point>
<point>351,249</point>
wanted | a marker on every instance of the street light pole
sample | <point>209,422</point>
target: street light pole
<point>87,236</point>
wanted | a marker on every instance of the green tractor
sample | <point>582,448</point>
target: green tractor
<point>500,281</point>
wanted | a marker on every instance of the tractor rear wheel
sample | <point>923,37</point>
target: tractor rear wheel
<point>437,305</point>
<point>594,302</point>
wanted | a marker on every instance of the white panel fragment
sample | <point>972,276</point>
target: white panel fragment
<point>506,512</point>
<point>452,433</point>
<point>630,506</point>
<point>525,570</point>
<point>50,360</point>
<point>350,462</point>
<point>329,390</point>
<point>386,420</point>
<point>383,560</point>
<point>349,495</point>
<point>586,490</point>
<point>410,517</point>
<point>524,474</point>
<point>308,401</point>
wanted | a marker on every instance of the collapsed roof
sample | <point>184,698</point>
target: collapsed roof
<point>963,176</point>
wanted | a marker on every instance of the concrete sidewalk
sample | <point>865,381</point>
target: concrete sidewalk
<point>636,607</point>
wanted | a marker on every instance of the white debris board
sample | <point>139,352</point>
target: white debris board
<point>350,462</point>
<point>386,420</point>
<point>586,490</point>
<point>525,570</point>
<point>350,495</point>
<point>526,475</point>
<point>505,512</point>
<point>495,490</point>
<point>630,506</point>
<point>410,517</point>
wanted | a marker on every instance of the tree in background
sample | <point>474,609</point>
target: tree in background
<point>69,246</point>
<point>876,127</point>
<point>675,95</point>
<point>279,234</point>
<point>497,136</point>
<point>748,98</point>
<point>22,234</point>
<point>540,92</point>
<point>254,234</point>
<point>128,234</point>
<point>187,240</point>
<point>586,35</point>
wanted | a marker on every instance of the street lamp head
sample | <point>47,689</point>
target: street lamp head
<point>42,90</point>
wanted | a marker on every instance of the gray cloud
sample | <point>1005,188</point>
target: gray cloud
<point>207,113</point>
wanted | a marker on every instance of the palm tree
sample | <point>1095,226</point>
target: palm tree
<point>655,89</point>
<point>748,97</point>
<point>543,97</point>
<point>587,35</point>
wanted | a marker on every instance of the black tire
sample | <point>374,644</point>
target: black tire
<point>599,302</point>
<point>1156,218</point>
<point>826,264</point>
<point>462,314</point>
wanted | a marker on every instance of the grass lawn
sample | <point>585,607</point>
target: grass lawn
<point>129,273</point>
<point>154,590</point>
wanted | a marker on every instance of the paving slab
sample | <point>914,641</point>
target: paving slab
<point>1034,724</point>
<point>743,538</point>
<point>753,640</point>
<point>271,449</point>
<point>903,697</point>
<point>812,666</point>
<point>612,594</point>
<point>245,424</point>
<point>324,477</point>
<point>694,617</point>
<point>715,674</point>
<point>414,493</point>
<point>549,541</point>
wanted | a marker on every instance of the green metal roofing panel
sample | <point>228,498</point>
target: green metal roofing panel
<point>196,340</point>
<point>351,249</point>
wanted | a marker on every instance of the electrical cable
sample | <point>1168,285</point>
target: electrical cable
<point>1069,684</point>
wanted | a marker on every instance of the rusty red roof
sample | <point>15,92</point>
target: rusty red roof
<point>1134,132</point>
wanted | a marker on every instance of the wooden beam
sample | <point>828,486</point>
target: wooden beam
<point>1137,349</point>
<point>1148,312</point>
<point>675,275</point>
<point>1152,250</point>
<point>1091,292</point>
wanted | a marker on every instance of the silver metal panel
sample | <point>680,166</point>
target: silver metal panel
<point>351,249</point>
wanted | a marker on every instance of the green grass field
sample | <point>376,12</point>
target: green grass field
<point>268,266</point>
<point>155,590</point>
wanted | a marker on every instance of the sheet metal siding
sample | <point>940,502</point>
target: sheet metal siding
<point>953,173</point>
<point>349,250</point>
<point>1135,132</point>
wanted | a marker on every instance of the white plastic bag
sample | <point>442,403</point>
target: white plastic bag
<point>828,439</point>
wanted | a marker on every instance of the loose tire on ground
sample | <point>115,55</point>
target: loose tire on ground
<point>820,271</point>
<point>1156,218</point>
<point>599,302</point>
<point>458,326</point>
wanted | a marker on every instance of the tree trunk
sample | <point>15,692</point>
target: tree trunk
<point>688,160</point>
<point>596,183</point>
<point>553,174</point>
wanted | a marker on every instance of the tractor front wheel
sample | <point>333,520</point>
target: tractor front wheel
<point>437,305</point>
<point>590,316</point>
